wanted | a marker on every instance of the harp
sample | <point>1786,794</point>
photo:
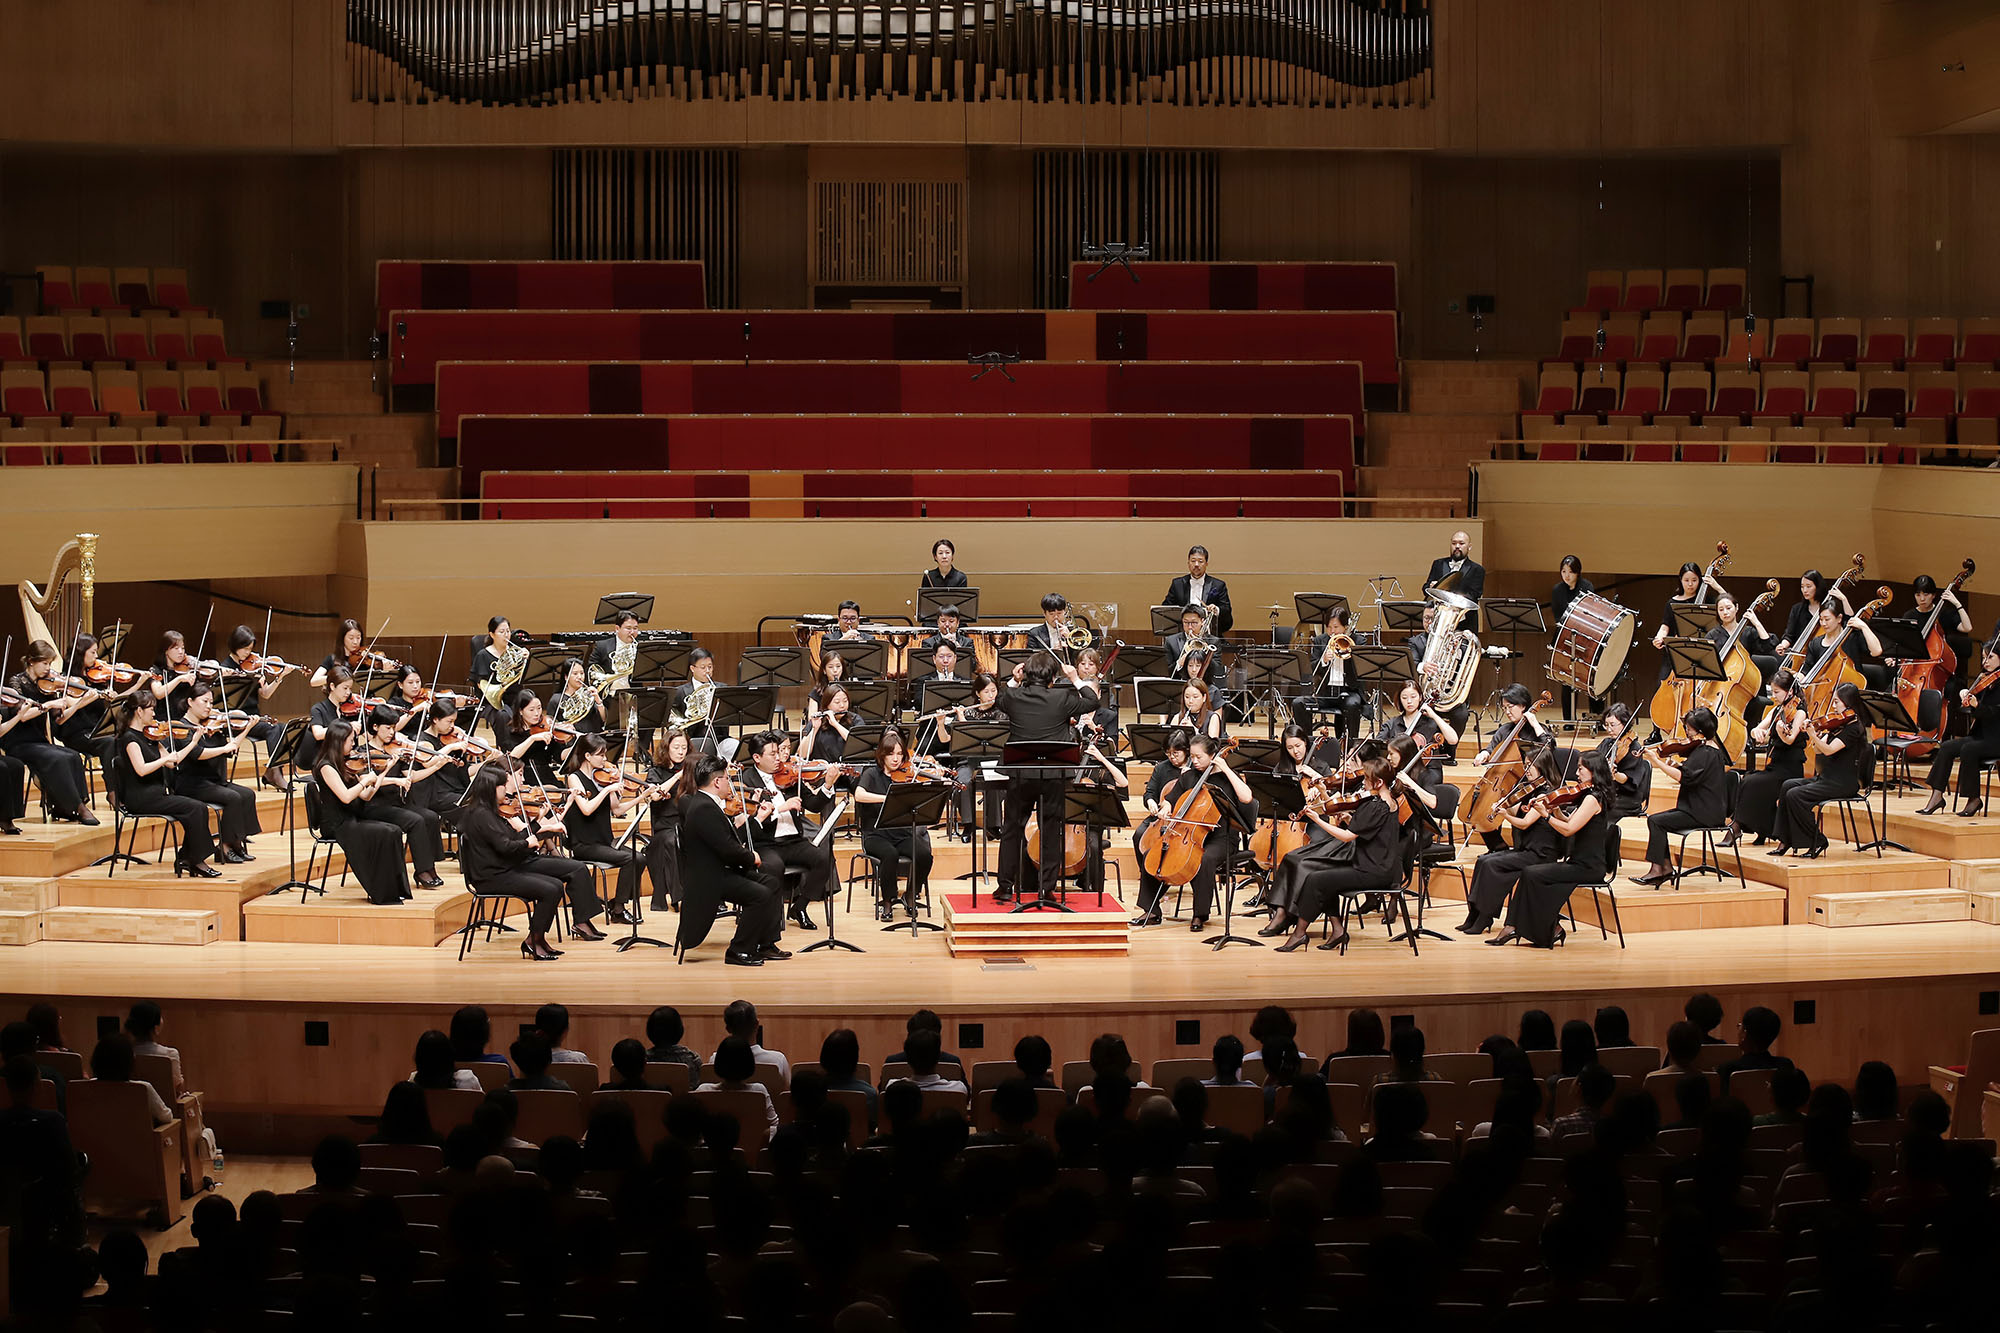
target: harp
<point>59,604</point>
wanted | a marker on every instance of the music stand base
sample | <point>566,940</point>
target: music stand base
<point>295,886</point>
<point>913,926</point>
<point>831,943</point>
<point>630,940</point>
<point>122,858</point>
<point>1042,905</point>
<point>1227,937</point>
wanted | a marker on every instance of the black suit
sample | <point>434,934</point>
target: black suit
<point>1340,699</point>
<point>1214,592</point>
<point>1471,584</point>
<point>816,859</point>
<point>1040,637</point>
<point>1174,643</point>
<point>717,868</point>
<point>1037,713</point>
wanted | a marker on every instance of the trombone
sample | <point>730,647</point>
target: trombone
<point>1072,638</point>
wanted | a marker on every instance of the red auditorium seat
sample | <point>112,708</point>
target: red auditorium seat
<point>1979,342</point>
<point>23,395</point>
<point>1704,337</point>
<point>1737,393</point>
<point>205,340</point>
<point>1621,339</point>
<point>1597,389</point>
<point>1660,337</point>
<point>170,337</point>
<point>1884,393</point>
<point>556,284</point>
<point>170,289</point>
<point>1884,342</point>
<point>1934,394</point>
<point>244,391</point>
<point>13,345</point>
<point>160,391</point>
<point>1934,342</point>
<point>1839,341</point>
<point>1681,291</point>
<point>1784,394</point>
<point>1791,341</point>
<point>1687,394</point>
<point>1725,289</point>
<point>1981,393</point>
<point>93,288</point>
<point>203,392</point>
<point>48,337</point>
<point>88,339</point>
<point>71,393</point>
<point>130,340</point>
<point>1602,289</point>
<point>58,287</point>
<point>133,287</point>
<point>1246,286</point>
<point>1578,339</point>
<point>1644,388</point>
<point>1642,290</point>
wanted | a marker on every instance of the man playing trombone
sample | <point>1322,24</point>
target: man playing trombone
<point>1057,635</point>
<point>1193,655</point>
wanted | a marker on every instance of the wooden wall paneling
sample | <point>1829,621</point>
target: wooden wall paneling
<point>772,229</point>
<point>1002,257</point>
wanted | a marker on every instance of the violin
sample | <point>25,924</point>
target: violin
<point>913,768</point>
<point>1983,684</point>
<point>118,675</point>
<point>13,698</point>
<point>532,803</point>
<point>351,706</point>
<point>170,732</point>
<point>54,687</point>
<point>426,697</point>
<point>549,729</point>
<point>1563,796</point>
<point>791,770</point>
<point>268,667</point>
<point>367,659</point>
<point>1676,749</point>
<point>1831,722</point>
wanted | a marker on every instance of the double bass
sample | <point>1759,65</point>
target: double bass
<point>1818,681</point>
<point>1728,697</point>
<point>1170,851</point>
<point>1676,697</point>
<point>1503,770</point>
<point>1933,673</point>
<point>1794,657</point>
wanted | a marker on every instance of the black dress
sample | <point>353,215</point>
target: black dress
<point>1703,801</point>
<point>264,732</point>
<point>888,844</point>
<point>1628,798</point>
<point>1545,889</point>
<point>206,780</point>
<point>421,826</point>
<point>443,792</point>
<point>539,761</point>
<point>1970,752</point>
<point>1839,776</point>
<point>57,768</point>
<point>1377,859</point>
<point>591,838</point>
<point>499,862</point>
<point>374,849</point>
<point>147,794</point>
<point>1495,874</point>
<point>1757,795</point>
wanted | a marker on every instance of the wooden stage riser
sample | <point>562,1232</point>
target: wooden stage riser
<point>1840,871</point>
<point>254,1057</point>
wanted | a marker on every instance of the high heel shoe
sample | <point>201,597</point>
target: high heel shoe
<point>584,930</point>
<point>1734,835</point>
<point>1296,942</point>
<point>1973,811</point>
<point>538,949</point>
<point>200,870</point>
<point>1555,941</point>
<point>1507,936</point>
<point>1780,850</point>
<point>1334,942</point>
<point>1278,925</point>
<point>1476,924</point>
<point>1936,804</point>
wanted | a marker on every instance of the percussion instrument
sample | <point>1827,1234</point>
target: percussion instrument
<point>1592,643</point>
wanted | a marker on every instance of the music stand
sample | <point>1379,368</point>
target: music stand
<point>1265,672</point>
<point>1009,658</point>
<point>1231,816</point>
<point>1277,799</point>
<point>653,705</point>
<point>1380,670</point>
<point>931,600</point>
<point>920,662</point>
<point>935,694</point>
<point>1694,622</point>
<point>1158,694</point>
<point>1901,639</point>
<point>1039,761</point>
<point>1693,659</point>
<point>110,639</point>
<point>1258,751</point>
<point>1401,617</point>
<point>238,691</point>
<point>974,743</point>
<point>914,805</point>
<point>285,751</point>
<point>612,607</point>
<point>544,665</point>
<point>870,698</point>
<point>1147,741</point>
<point>867,660</point>
<point>771,666</point>
<point>734,706</point>
<point>1139,659</point>
<point>660,661</point>
<point>1091,808</point>
<point>859,745</point>
<point>1512,616</point>
<point>1885,711</point>
<point>1167,620</point>
<point>1317,608</point>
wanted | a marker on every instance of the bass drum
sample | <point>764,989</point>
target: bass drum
<point>1592,643</point>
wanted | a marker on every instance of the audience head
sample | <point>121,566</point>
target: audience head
<point>628,1057</point>
<point>1705,1012</point>
<point>1760,1028</point>
<point>740,1020</point>
<point>1683,1044</point>
<point>22,1076</point>
<point>664,1027</point>
<point>840,1055</point>
<point>336,1164</point>
<point>1274,1020</point>
<point>552,1021</point>
<point>433,1060</point>
<point>471,1031</point>
<point>1228,1057</point>
<point>1876,1096</point>
<point>1108,1055</point>
<point>406,1116</point>
<point>112,1057</point>
<point>1612,1027</point>
<point>920,1048</point>
<point>926,1020</point>
<point>1406,1048</point>
<point>1595,1085</point>
<point>734,1061</point>
<point>1015,1103</point>
<point>16,1038</point>
<point>144,1020</point>
<point>1033,1057</point>
<point>532,1054</point>
<point>121,1258</point>
<point>1790,1088</point>
<point>1538,1031</point>
<point>1692,1096</point>
<point>1364,1032</point>
<point>46,1020</point>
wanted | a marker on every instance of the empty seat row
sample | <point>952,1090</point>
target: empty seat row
<point>1682,289</point>
<point>129,338</point>
<point>711,387</point>
<point>113,391</point>
<point>97,288</point>
<point>1644,394</point>
<point>1068,493</point>
<point>1335,285</point>
<point>536,284</point>
<point>257,442</point>
<point>1714,443</point>
<point>1666,338</point>
<point>807,443</point>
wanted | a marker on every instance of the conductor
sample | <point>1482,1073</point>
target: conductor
<point>1038,712</point>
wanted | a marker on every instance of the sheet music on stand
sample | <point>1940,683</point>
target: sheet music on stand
<point>661,663</point>
<point>771,666</point>
<point>964,600</point>
<point>613,605</point>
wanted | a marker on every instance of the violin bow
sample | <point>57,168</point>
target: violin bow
<point>202,643</point>
<point>438,671</point>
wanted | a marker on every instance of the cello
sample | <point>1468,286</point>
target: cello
<point>1503,770</point>
<point>1933,673</point>
<point>1728,697</point>
<point>1170,851</point>
<point>1676,697</point>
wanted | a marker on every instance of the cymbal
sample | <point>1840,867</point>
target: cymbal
<point>1272,608</point>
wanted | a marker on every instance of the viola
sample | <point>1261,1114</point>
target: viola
<point>914,769</point>
<point>532,803</point>
<point>1831,722</point>
<point>549,729</point>
<point>426,697</point>
<point>1984,683</point>
<point>177,732</point>
<point>791,770</point>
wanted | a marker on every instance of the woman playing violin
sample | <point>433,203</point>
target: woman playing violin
<point>1703,801</point>
<point>1372,830</point>
<point>444,788</point>
<point>1782,730</point>
<point>270,674</point>
<point>1495,874</point>
<point>338,705</point>
<point>347,646</point>
<point>395,758</point>
<point>57,768</point>
<point>1536,915</point>
<point>888,845</point>
<point>146,751</point>
<point>174,671</point>
<point>1842,744</point>
<point>503,854</point>
<point>79,731</point>
<point>598,795</point>
<point>1971,752</point>
<point>533,741</point>
<point>344,785</point>
<point>1324,849</point>
<point>578,703</point>
<point>1631,776</point>
<point>202,776</point>
<point>671,772</point>
<point>412,700</point>
<point>1414,717</point>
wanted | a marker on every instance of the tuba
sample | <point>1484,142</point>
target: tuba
<point>1452,654</point>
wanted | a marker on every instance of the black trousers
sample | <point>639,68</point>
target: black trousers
<point>444,799</point>
<point>1494,877</point>
<point>626,858</point>
<point>419,827</point>
<point>154,799</point>
<point>1324,888</point>
<point>575,877</point>
<point>1659,826</point>
<point>58,769</point>
<point>1798,824</point>
<point>1757,799</point>
<point>759,902</point>
<point>542,893</point>
<point>13,788</point>
<point>819,883</point>
<point>1971,754</point>
<point>1215,854</point>
<point>966,812</point>
<point>1340,703</point>
<point>888,844</point>
<point>1289,879</point>
<point>663,864</point>
<point>1032,796</point>
<point>1543,893</point>
<point>238,822</point>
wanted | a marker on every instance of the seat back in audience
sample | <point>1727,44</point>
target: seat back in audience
<point>746,1108</point>
<point>649,1111</point>
<point>490,1073</point>
<point>670,1075</point>
<point>451,1107</point>
<point>546,1113</point>
<point>131,1158</point>
<point>582,1079</point>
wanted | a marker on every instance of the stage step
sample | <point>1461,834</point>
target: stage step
<point>18,927</point>
<point>1986,906</point>
<point>128,925</point>
<point>345,916</point>
<point>27,894</point>
<point>1094,927</point>
<point>1981,875</point>
<point>1896,907</point>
